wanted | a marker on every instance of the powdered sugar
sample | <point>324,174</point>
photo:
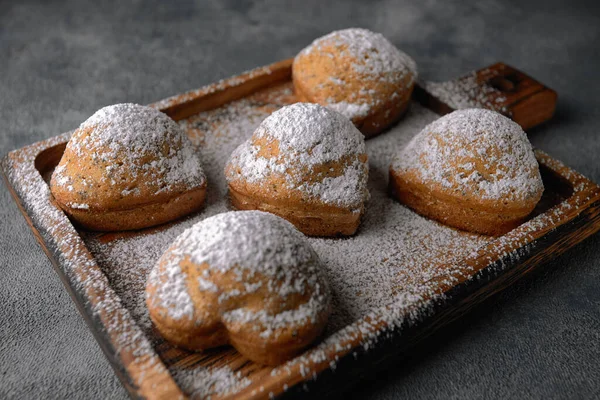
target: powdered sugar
<point>81,206</point>
<point>466,92</point>
<point>171,292</point>
<point>134,143</point>
<point>264,243</point>
<point>114,321</point>
<point>306,135</point>
<point>266,246</point>
<point>381,56</point>
<point>492,154</point>
<point>203,383</point>
<point>311,134</point>
<point>350,110</point>
<point>373,59</point>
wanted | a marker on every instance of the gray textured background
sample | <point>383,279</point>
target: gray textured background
<point>61,61</point>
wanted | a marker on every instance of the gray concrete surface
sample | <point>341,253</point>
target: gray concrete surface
<point>62,60</point>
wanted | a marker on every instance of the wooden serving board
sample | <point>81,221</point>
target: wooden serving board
<point>151,368</point>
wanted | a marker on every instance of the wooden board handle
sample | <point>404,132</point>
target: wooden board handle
<point>498,87</point>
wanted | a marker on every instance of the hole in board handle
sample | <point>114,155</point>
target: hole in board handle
<point>505,83</point>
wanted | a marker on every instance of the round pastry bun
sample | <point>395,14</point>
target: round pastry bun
<point>245,278</point>
<point>307,164</point>
<point>128,167</point>
<point>358,73</point>
<point>472,169</point>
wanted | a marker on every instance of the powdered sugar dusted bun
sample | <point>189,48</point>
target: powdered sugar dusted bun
<point>358,73</point>
<point>247,278</point>
<point>472,169</point>
<point>307,164</point>
<point>128,167</point>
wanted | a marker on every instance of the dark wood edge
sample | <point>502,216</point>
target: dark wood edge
<point>534,108</point>
<point>177,107</point>
<point>53,255</point>
<point>214,95</point>
<point>83,303</point>
<point>524,99</point>
<point>459,301</point>
<point>423,97</point>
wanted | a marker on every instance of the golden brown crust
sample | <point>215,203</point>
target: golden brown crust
<point>378,119</point>
<point>224,305</point>
<point>309,218</point>
<point>325,75</point>
<point>128,167</point>
<point>289,342</point>
<point>488,217</point>
<point>472,169</point>
<point>184,332</point>
<point>139,217</point>
<point>322,198</point>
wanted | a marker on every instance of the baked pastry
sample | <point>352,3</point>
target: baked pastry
<point>472,169</point>
<point>358,73</point>
<point>128,167</point>
<point>306,164</point>
<point>245,278</point>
